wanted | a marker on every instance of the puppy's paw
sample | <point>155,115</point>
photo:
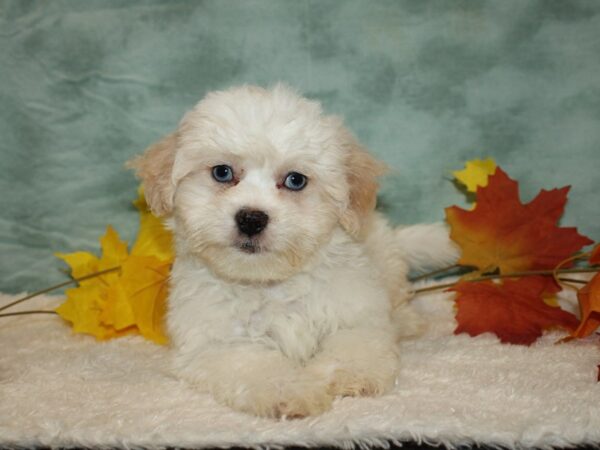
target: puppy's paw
<point>357,362</point>
<point>295,407</point>
<point>287,402</point>
<point>346,383</point>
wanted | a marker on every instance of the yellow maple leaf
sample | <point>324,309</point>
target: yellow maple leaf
<point>83,308</point>
<point>475,173</point>
<point>117,312</point>
<point>114,252</point>
<point>129,300</point>
<point>153,238</point>
<point>81,264</point>
<point>145,280</point>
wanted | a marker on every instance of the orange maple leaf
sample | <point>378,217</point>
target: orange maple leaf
<point>514,310</point>
<point>589,304</point>
<point>502,233</point>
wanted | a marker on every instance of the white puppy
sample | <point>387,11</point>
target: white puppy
<point>287,289</point>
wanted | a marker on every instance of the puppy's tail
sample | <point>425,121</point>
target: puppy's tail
<point>427,247</point>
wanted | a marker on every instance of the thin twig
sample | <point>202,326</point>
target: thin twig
<point>573,280</point>
<point>566,261</point>
<point>434,273</point>
<point>507,275</point>
<point>536,272</point>
<point>434,288</point>
<point>23,313</point>
<point>58,286</point>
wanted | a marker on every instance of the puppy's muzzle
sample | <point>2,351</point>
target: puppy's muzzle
<point>251,221</point>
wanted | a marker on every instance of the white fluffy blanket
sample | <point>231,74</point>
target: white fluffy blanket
<point>60,389</point>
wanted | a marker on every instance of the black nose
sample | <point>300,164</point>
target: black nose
<point>251,221</point>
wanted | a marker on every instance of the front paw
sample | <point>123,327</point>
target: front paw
<point>287,402</point>
<point>299,407</point>
<point>346,383</point>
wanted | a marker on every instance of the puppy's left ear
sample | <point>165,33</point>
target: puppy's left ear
<point>362,171</point>
<point>154,168</point>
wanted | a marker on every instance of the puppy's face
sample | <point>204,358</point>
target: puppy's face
<point>256,181</point>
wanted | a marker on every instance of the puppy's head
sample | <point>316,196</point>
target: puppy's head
<point>256,181</point>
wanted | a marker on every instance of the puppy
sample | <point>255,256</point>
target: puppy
<point>288,289</point>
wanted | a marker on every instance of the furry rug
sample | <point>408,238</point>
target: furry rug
<point>60,389</point>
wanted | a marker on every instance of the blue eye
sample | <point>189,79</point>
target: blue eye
<point>295,181</point>
<point>222,173</point>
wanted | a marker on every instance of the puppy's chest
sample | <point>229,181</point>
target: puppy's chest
<point>288,317</point>
<point>292,316</point>
<point>256,310</point>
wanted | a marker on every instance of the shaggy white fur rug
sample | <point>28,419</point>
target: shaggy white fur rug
<point>61,389</point>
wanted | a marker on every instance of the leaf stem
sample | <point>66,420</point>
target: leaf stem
<point>436,287</point>
<point>507,275</point>
<point>573,280</point>
<point>434,273</point>
<point>556,270</point>
<point>58,286</point>
<point>23,313</point>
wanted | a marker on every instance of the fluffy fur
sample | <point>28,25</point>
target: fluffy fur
<point>315,310</point>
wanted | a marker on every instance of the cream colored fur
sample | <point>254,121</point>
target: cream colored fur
<point>317,309</point>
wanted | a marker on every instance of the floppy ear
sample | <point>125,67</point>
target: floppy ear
<point>154,168</point>
<point>362,171</point>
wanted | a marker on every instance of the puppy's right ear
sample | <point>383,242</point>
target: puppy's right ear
<point>154,168</point>
<point>362,171</point>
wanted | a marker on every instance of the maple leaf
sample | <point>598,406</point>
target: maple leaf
<point>475,173</point>
<point>501,233</point>
<point>139,298</point>
<point>130,300</point>
<point>595,256</point>
<point>153,238</point>
<point>114,252</point>
<point>589,305</point>
<point>84,304</point>
<point>514,310</point>
<point>83,308</point>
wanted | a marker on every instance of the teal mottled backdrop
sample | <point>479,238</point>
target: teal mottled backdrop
<point>85,85</point>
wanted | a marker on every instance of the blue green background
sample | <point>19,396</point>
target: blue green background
<point>426,85</point>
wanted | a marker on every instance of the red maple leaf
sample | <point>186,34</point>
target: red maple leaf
<point>595,256</point>
<point>514,310</point>
<point>502,233</point>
